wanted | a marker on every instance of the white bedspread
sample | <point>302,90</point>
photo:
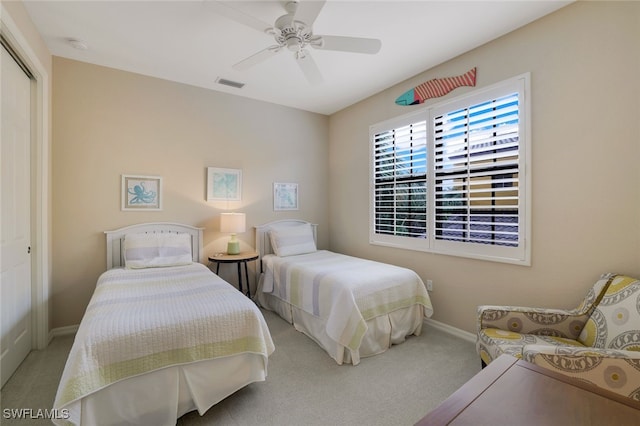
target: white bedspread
<point>140,321</point>
<point>346,291</point>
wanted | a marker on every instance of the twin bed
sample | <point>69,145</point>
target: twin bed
<point>162,335</point>
<point>351,307</point>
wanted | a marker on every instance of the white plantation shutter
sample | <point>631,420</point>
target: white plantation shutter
<point>476,172</point>
<point>451,178</point>
<point>400,180</point>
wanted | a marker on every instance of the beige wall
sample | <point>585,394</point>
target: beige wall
<point>586,141</point>
<point>584,62</point>
<point>109,122</point>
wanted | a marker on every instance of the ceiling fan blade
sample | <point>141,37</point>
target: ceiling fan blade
<point>309,68</point>
<point>226,9</point>
<point>350,44</point>
<point>308,11</point>
<point>256,58</point>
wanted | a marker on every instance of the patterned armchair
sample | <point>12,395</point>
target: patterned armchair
<point>598,342</point>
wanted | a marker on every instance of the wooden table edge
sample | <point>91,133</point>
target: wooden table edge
<point>246,256</point>
<point>469,392</point>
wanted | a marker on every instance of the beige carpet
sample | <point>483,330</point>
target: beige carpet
<point>304,387</point>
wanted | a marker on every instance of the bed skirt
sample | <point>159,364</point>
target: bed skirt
<point>382,331</point>
<point>161,396</point>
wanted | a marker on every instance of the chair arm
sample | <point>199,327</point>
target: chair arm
<point>526,320</point>
<point>612,369</point>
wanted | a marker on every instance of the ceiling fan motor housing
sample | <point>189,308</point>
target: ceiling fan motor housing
<point>295,36</point>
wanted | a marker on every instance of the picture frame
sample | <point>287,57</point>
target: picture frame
<point>224,184</point>
<point>141,193</point>
<point>285,196</point>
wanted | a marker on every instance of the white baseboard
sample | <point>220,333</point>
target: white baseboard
<point>63,331</point>
<point>465,335</point>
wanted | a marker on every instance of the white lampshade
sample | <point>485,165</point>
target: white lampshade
<point>232,222</point>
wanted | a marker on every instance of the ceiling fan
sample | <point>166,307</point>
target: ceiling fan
<point>293,31</point>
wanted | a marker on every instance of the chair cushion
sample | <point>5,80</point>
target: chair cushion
<point>493,342</point>
<point>615,322</point>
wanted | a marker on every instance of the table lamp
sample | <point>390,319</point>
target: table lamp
<point>232,223</point>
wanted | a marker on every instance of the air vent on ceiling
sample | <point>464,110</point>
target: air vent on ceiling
<point>231,83</point>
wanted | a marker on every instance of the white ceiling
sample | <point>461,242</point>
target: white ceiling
<point>189,41</point>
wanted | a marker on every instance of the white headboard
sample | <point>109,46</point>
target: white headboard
<point>115,239</point>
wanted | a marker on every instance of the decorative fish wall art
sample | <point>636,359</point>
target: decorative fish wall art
<point>436,88</point>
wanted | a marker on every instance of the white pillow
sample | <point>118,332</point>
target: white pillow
<point>292,240</point>
<point>154,250</point>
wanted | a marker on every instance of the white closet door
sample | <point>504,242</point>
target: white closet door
<point>15,216</point>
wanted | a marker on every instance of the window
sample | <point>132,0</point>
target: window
<point>451,178</point>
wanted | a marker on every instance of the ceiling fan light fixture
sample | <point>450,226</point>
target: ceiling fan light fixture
<point>294,43</point>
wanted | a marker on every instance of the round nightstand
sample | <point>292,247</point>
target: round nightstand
<point>239,259</point>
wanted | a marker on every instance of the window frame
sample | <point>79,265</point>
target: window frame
<point>520,254</point>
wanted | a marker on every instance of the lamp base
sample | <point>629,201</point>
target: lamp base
<point>233,247</point>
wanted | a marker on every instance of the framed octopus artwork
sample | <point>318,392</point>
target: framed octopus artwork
<point>141,193</point>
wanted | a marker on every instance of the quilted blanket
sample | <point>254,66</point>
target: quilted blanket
<point>346,291</point>
<point>139,321</point>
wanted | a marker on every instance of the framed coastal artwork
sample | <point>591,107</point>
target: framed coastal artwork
<point>142,193</point>
<point>285,196</point>
<point>224,184</point>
